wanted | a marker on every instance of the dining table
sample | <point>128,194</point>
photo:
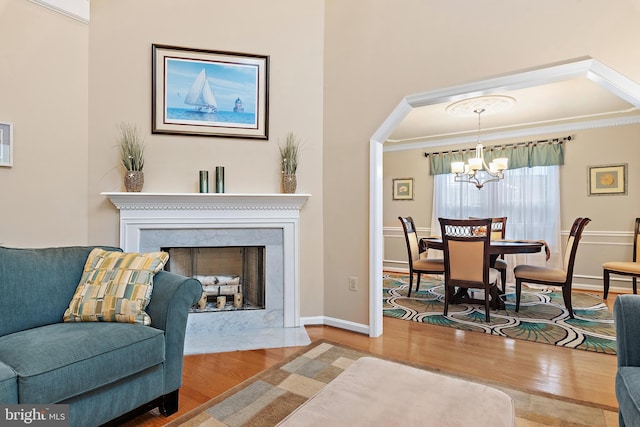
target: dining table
<point>497,248</point>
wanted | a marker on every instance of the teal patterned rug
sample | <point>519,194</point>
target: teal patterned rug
<point>542,318</point>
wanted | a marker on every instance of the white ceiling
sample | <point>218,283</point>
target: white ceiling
<point>554,105</point>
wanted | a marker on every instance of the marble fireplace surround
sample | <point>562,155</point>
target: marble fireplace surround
<point>149,221</point>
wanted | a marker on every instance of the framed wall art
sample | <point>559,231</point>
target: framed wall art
<point>209,93</point>
<point>403,189</point>
<point>6,144</point>
<point>607,180</point>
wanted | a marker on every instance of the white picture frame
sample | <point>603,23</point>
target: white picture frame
<point>607,180</point>
<point>403,189</point>
<point>6,144</point>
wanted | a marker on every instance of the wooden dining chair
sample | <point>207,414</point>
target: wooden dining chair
<point>467,244</point>
<point>552,276</point>
<point>418,261</point>
<point>628,268</point>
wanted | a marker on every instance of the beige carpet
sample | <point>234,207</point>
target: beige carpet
<point>268,397</point>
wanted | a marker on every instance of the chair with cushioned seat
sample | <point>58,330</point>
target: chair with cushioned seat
<point>622,268</point>
<point>467,244</point>
<point>551,276</point>
<point>418,261</point>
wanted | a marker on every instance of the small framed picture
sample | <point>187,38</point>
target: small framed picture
<point>6,144</point>
<point>209,93</point>
<point>403,189</point>
<point>607,180</point>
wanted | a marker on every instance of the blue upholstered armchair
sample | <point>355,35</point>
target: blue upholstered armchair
<point>626,312</point>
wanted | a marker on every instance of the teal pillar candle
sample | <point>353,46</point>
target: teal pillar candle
<point>204,181</point>
<point>219,179</point>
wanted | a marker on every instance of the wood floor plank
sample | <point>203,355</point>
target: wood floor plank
<point>568,373</point>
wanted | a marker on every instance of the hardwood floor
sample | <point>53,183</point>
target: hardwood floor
<point>573,374</point>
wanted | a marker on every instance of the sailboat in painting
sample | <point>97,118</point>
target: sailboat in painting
<point>201,95</point>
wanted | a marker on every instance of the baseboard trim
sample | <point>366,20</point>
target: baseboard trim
<point>599,289</point>
<point>396,269</point>
<point>336,323</point>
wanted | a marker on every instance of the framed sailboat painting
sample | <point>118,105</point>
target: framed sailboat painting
<point>209,93</point>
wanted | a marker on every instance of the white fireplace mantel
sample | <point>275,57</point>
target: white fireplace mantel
<point>207,201</point>
<point>141,212</point>
<point>211,210</point>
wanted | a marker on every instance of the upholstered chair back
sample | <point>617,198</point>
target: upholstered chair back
<point>567,253</point>
<point>38,284</point>
<point>413,245</point>
<point>466,260</point>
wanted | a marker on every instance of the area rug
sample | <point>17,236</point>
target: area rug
<point>542,318</point>
<point>267,398</point>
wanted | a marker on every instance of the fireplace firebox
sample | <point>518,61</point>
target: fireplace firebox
<point>232,277</point>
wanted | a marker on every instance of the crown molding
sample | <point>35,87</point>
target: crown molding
<point>76,9</point>
<point>518,133</point>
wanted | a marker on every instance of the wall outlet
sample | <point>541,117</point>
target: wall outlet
<point>353,283</point>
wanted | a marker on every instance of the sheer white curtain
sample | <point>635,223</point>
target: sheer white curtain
<point>528,197</point>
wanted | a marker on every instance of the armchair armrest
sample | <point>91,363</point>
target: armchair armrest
<point>626,314</point>
<point>171,299</point>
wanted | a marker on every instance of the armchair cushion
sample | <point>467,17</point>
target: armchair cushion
<point>37,284</point>
<point>60,361</point>
<point>115,287</point>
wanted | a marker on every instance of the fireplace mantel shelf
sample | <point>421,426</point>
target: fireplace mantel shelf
<point>205,201</point>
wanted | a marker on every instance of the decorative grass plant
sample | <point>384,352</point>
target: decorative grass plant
<point>131,147</point>
<point>289,154</point>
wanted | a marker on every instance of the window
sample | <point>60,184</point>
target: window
<point>528,197</point>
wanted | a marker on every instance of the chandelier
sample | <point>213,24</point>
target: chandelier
<point>476,171</point>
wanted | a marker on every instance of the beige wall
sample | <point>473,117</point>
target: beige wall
<point>338,69</point>
<point>601,147</point>
<point>290,32</point>
<point>407,164</point>
<point>43,92</point>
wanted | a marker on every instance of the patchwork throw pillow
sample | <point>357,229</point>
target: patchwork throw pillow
<point>115,287</point>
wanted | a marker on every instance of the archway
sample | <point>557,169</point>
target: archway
<point>595,71</point>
